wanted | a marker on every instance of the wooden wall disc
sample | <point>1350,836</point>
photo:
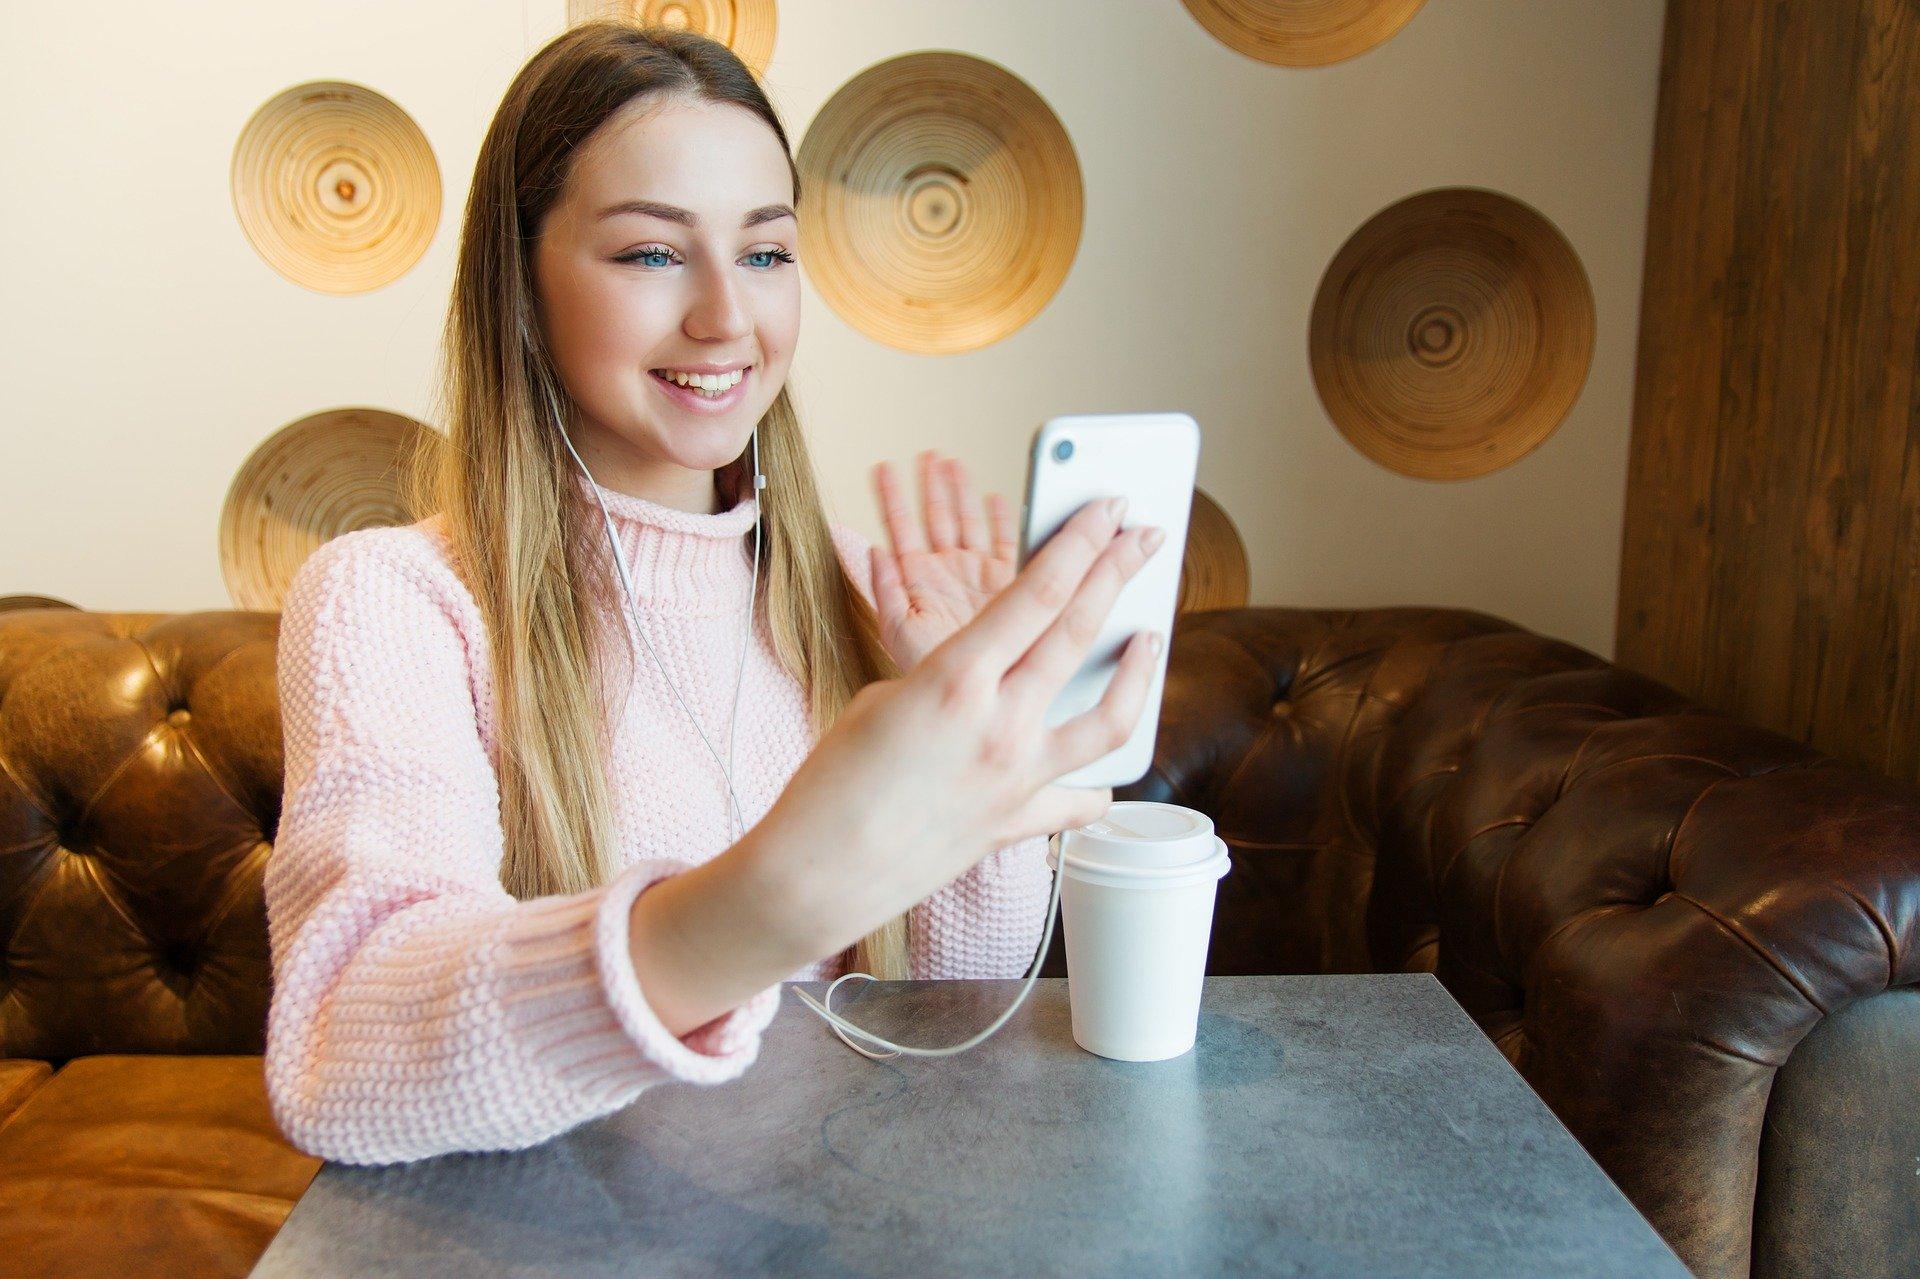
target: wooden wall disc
<point>1214,571</point>
<point>1451,333</point>
<point>942,202</point>
<point>311,481</point>
<point>1302,33</point>
<point>745,26</point>
<point>336,187</point>
<point>9,603</point>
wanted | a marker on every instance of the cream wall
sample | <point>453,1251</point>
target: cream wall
<point>147,349</point>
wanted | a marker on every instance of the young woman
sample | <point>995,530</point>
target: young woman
<point>512,886</point>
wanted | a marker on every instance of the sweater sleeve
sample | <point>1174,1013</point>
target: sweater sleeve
<point>987,921</point>
<point>418,1008</point>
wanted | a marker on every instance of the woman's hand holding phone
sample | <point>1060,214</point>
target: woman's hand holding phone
<point>922,776</point>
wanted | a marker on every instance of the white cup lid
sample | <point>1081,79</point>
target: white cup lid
<point>1138,834</point>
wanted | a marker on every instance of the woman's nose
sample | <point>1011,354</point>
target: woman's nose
<point>718,313</point>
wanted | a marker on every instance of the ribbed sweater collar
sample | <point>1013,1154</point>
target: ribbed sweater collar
<point>682,560</point>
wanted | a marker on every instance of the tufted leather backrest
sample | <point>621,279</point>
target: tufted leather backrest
<point>1274,722</point>
<point>1645,904</point>
<point>139,792</point>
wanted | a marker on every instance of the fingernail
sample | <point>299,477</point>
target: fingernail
<point>1154,641</point>
<point>1116,507</point>
<point>1154,537</point>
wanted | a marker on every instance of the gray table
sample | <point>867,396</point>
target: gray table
<point>1322,1125</point>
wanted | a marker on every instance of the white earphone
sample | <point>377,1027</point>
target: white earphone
<point>839,1024</point>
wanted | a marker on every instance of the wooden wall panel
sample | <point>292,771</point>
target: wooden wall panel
<point>1772,535</point>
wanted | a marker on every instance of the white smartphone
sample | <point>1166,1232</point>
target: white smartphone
<point>1151,459</point>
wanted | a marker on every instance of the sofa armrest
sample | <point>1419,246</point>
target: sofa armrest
<point>1838,1186</point>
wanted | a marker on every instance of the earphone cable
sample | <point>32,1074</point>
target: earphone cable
<point>839,1023</point>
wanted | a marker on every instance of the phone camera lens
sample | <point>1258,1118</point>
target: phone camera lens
<point>1063,450</point>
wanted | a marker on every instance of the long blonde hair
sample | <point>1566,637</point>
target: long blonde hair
<point>501,477</point>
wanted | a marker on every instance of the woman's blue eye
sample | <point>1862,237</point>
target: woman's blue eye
<point>639,255</point>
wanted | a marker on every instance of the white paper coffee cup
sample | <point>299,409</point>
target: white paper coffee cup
<point>1136,904</point>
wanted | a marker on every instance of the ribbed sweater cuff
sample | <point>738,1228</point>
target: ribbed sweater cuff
<point>708,1054</point>
<point>575,1001</point>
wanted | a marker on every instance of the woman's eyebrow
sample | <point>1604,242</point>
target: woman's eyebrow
<point>686,217</point>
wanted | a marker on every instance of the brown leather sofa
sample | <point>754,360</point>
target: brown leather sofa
<point>139,789</point>
<point>1694,938</point>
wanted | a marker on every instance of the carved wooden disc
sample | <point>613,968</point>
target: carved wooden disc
<point>8,603</point>
<point>309,482</point>
<point>943,202</point>
<point>745,26</point>
<point>1302,33</point>
<point>1452,333</point>
<point>336,187</point>
<point>1214,571</point>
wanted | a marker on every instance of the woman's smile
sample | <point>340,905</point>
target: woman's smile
<point>698,398</point>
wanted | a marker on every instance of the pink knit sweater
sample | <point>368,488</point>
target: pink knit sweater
<point>417,1007</point>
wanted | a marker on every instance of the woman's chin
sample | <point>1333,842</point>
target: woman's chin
<point>707,446</point>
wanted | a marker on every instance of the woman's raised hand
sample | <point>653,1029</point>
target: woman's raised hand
<point>922,776</point>
<point>932,583</point>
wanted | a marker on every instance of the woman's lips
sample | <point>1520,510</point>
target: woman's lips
<point>690,399</point>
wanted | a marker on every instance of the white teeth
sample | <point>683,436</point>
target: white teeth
<point>709,384</point>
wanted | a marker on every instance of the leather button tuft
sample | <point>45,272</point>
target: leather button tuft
<point>179,718</point>
<point>1283,707</point>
